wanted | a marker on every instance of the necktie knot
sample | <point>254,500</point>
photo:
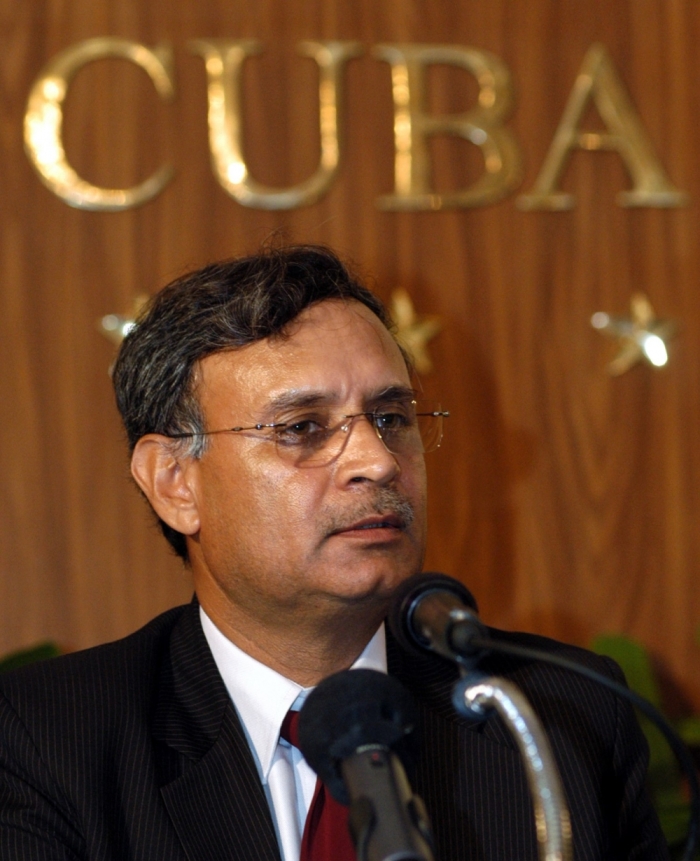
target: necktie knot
<point>289,730</point>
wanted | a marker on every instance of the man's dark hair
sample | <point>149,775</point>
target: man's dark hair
<point>220,307</point>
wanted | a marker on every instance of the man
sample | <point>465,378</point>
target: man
<point>278,438</point>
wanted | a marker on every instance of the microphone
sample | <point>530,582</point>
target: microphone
<point>355,731</point>
<point>436,613</point>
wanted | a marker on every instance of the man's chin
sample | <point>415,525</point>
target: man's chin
<point>374,584</point>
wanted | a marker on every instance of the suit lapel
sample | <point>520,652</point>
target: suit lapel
<point>213,793</point>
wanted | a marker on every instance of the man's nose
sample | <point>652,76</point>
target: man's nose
<point>364,456</point>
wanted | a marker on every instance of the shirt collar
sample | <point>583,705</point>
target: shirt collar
<point>262,696</point>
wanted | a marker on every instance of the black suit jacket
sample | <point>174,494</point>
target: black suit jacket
<point>133,750</point>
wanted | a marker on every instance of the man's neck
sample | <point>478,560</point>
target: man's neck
<point>304,649</point>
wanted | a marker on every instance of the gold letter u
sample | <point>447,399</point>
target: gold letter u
<point>224,59</point>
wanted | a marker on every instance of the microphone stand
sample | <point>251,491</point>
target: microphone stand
<point>472,696</point>
<point>435,613</point>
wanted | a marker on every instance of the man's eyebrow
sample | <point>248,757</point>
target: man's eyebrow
<point>296,400</point>
<point>392,393</point>
<point>302,400</point>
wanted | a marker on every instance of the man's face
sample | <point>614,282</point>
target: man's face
<point>276,536</point>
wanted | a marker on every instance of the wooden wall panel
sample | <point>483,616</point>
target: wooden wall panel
<point>567,500</point>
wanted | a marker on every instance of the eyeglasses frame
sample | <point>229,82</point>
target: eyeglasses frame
<point>345,425</point>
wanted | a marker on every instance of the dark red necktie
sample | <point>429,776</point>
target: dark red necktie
<point>326,836</point>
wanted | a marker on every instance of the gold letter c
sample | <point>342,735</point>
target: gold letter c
<point>44,120</point>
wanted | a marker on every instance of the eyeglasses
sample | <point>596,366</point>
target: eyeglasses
<point>314,439</point>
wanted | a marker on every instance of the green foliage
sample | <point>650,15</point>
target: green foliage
<point>666,782</point>
<point>40,652</point>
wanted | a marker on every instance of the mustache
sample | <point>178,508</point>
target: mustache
<point>384,500</point>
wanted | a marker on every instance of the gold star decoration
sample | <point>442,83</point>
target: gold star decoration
<point>413,331</point>
<point>640,337</point>
<point>117,326</point>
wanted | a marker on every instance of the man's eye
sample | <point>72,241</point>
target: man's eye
<point>391,421</point>
<point>301,432</point>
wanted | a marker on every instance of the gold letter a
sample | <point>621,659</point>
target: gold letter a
<point>598,80</point>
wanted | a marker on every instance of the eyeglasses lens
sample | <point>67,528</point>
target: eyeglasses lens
<point>321,446</point>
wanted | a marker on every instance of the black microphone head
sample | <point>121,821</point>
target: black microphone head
<point>407,596</point>
<point>351,709</point>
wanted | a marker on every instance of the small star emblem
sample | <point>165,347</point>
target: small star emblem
<point>641,337</point>
<point>413,331</point>
<point>117,326</point>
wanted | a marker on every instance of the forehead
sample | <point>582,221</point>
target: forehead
<point>336,350</point>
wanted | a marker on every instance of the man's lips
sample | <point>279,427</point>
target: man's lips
<point>369,524</point>
<point>384,516</point>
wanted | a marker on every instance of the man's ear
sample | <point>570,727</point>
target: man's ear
<point>166,478</point>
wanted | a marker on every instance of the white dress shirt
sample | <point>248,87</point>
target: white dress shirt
<point>262,698</point>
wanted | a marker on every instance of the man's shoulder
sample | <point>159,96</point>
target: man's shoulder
<point>550,666</point>
<point>556,649</point>
<point>111,675</point>
<point>556,692</point>
<point>545,677</point>
<point>495,661</point>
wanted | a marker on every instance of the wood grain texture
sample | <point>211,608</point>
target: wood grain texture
<point>566,499</point>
